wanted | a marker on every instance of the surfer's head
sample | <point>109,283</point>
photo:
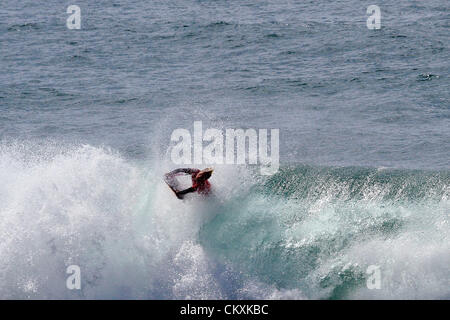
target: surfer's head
<point>204,174</point>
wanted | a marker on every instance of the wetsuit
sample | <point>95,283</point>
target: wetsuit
<point>202,187</point>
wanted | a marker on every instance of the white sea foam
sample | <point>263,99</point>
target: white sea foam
<point>133,239</point>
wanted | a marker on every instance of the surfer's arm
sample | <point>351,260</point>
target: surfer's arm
<point>181,193</point>
<point>171,180</point>
<point>181,170</point>
<point>188,190</point>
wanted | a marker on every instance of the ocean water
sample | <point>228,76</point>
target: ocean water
<point>85,124</point>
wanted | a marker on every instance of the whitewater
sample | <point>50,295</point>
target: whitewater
<point>303,233</point>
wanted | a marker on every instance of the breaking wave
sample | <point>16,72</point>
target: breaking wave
<point>303,233</point>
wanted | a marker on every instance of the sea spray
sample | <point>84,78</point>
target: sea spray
<point>306,232</point>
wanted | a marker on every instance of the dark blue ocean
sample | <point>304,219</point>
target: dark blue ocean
<point>85,125</point>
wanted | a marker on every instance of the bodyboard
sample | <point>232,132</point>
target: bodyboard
<point>173,184</point>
